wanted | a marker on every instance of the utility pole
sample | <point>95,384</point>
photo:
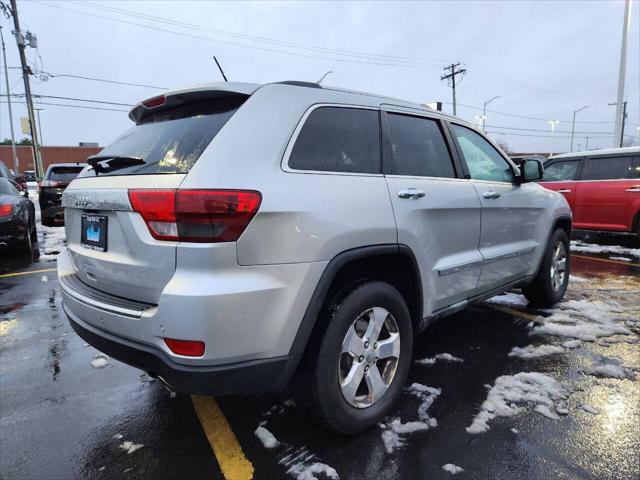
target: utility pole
<point>619,138</point>
<point>38,110</point>
<point>26,71</point>
<point>452,75</point>
<point>586,147</point>
<point>573,125</point>
<point>13,137</point>
<point>553,124</point>
<point>621,75</point>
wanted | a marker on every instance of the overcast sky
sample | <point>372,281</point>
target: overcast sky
<point>546,59</point>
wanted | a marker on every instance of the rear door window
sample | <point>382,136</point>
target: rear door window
<point>561,171</point>
<point>338,139</point>
<point>171,140</point>
<point>608,168</point>
<point>64,174</point>
<point>418,148</point>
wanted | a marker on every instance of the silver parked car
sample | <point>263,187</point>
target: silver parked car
<point>243,238</point>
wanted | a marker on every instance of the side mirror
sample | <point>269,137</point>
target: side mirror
<point>20,179</point>
<point>531,169</point>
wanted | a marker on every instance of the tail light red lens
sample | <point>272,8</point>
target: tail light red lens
<point>155,102</point>
<point>49,183</point>
<point>6,210</point>
<point>196,215</point>
<point>188,348</point>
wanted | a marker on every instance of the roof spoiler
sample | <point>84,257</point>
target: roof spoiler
<point>192,94</point>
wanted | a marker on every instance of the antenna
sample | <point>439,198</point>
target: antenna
<point>220,68</point>
<point>323,77</point>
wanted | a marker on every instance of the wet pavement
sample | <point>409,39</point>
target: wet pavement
<point>61,418</point>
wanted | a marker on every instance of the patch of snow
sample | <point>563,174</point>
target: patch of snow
<point>546,412</point>
<point>130,447</point>
<point>575,279</point>
<point>572,344</point>
<point>452,469</point>
<point>510,298</point>
<point>99,362</point>
<point>532,351</point>
<point>44,278</point>
<point>394,429</point>
<point>588,408</point>
<point>266,437</point>
<point>623,259</point>
<point>579,246</point>
<point>447,357</point>
<point>515,430</point>
<point>289,403</point>
<point>562,408</point>
<point>308,472</point>
<point>610,370</point>
<point>118,436</point>
<point>510,390</point>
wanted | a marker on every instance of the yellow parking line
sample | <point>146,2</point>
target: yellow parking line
<point>517,313</point>
<point>5,275</point>
<point>607,260</point>
<point>225,446</point>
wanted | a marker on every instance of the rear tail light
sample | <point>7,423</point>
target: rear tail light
<point>188,348</point>
<point>196,215</point>
<point>50,183</point>
<point>6,209</point>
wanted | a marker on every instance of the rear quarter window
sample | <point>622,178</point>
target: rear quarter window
<point>338,139</point>
<point>609,168</point>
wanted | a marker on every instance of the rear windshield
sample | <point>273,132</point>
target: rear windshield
<point>171,140</point>
<point>64,174</point>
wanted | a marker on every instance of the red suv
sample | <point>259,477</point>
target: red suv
<point>602,187</point>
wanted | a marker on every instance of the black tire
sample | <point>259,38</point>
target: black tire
<point>26,246</point>
<point>541,291</point>
<point>318,386</point>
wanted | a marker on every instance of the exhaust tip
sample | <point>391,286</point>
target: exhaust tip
<point>3,245</point>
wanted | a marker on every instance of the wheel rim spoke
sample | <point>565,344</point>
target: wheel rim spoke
<point>352,381</point>
<point>352,343</point>
<point>389,348</point>
<point>375,384</point>
<point>377,318</point>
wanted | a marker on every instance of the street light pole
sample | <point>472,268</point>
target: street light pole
<point>553,124</point>
<point>621,76</point>
<point>484,112</point>
<point>573,125</point>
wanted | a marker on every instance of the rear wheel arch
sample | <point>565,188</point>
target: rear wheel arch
<point>390,263</point>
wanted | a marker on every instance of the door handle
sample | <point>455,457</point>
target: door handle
<point>635,188</point>
<point>564,191</point>
<point>491,195</point>
<point>411,193</point>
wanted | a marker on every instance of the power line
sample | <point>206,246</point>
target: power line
<point>255,47</point>
<point>543,136</point>
<point>95,79</point>
<point>75,106</point>
<point>266,40</point>
<point>542,130</point>
<point>21,95</point>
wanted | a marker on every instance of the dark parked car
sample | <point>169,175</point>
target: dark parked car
<point>55,180</point>
<point>17,219</point>
<point>17,181</point>
<point>29,175</point>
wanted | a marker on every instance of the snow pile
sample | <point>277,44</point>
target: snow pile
<point>546,412</point>
<point>394,429</point>
<point>509,391</point>
<point>623,259</point>
<point>99,361</point>
<point>452,469</point>
<point>130,447</point>
<point>447,357</point>
<point>266,437</point>
<point>51,241</point>
<point>304,465</point>
<point>531,351</point>
<point>585,320</point>
<point>579,246</point>
<point>588,408</point>
<point>611,370</point>
<point>510,298</point>
<point>574,279</point>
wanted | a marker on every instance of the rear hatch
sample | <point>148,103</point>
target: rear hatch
<point>111,245</point>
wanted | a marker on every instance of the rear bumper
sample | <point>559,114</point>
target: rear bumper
<point>254,376</point>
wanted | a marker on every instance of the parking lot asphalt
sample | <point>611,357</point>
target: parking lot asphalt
<point>63,418</point>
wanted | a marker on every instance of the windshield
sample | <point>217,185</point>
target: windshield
<point>171,140</point>
<point>64,174</point>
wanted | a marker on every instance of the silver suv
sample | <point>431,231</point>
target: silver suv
<point>244,238</point>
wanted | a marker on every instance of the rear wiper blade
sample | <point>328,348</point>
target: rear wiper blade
<point>113,162</point>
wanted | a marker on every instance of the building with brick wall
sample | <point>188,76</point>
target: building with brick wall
<point>49,155</point>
